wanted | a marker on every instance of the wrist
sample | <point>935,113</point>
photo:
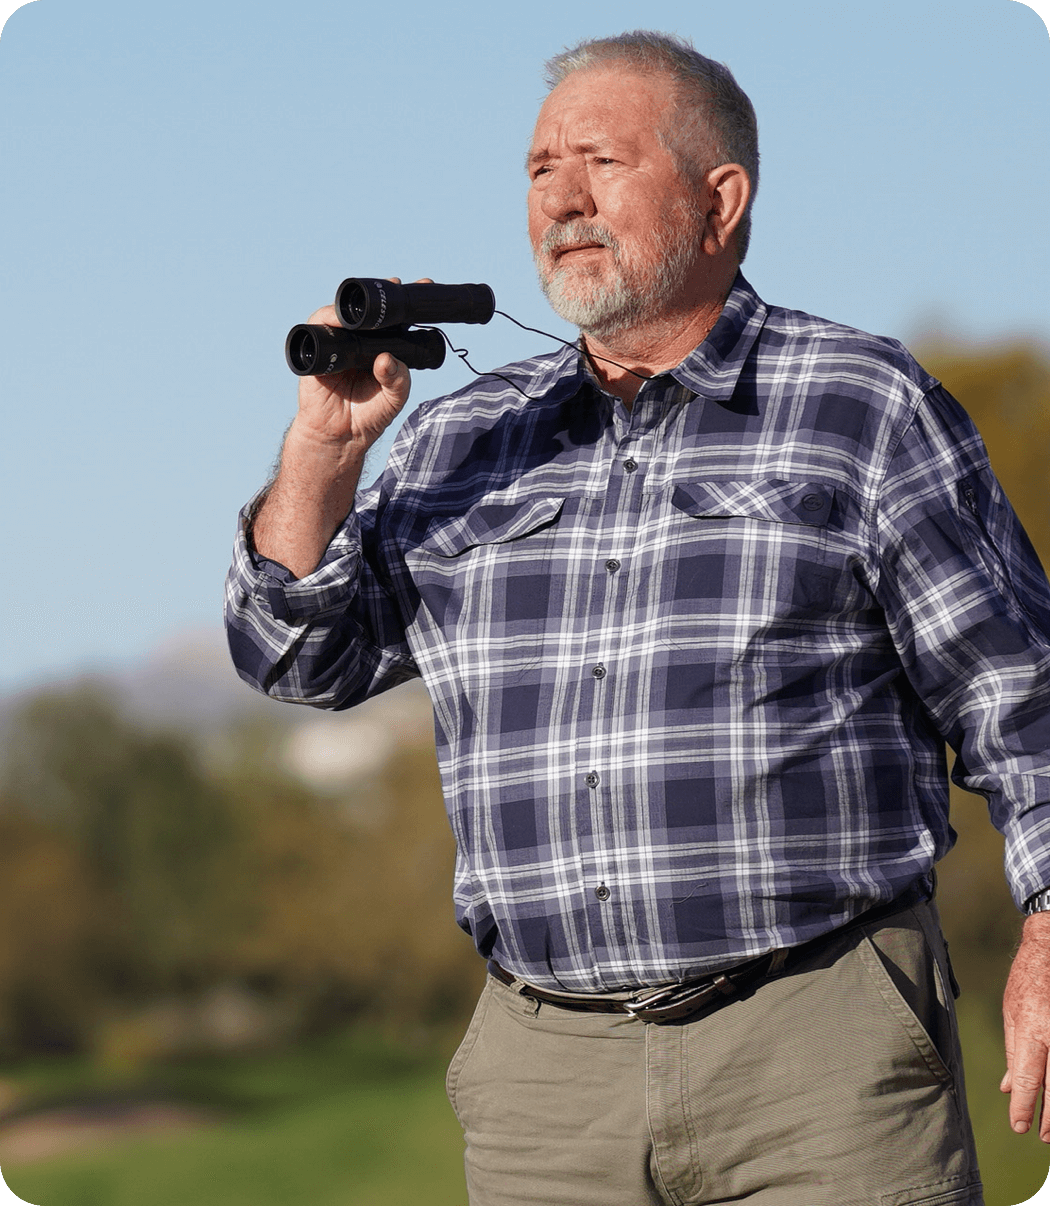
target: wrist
<point>318,451</point>
<point>1036,928</point>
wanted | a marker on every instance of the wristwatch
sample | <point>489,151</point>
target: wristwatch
<point>1039,903</point>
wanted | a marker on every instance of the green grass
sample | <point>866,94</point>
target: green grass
<point>356,1122</point>
<point>352,1119</point>
<point>394,1144</point>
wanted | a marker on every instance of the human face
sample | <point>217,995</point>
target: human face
<point>615,229</point>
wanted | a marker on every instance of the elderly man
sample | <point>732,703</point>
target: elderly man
<point>698,603</point>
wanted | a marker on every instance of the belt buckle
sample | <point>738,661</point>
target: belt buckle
<point>679,1001</point>
<point>671,1003</point>
<point>653,1000</point>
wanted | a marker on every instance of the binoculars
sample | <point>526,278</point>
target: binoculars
<point>375,316</point>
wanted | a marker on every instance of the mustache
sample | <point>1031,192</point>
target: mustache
<point>575,233</point>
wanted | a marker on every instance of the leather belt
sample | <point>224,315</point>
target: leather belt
<point>672,1002</point>
<point>668,1003</point>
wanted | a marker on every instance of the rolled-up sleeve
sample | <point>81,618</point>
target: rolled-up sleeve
<point>329,639</point>
<point>968,607</point>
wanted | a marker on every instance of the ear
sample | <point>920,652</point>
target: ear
<point>729,189</point>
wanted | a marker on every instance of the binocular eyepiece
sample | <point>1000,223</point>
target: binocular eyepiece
<point>375,316</point>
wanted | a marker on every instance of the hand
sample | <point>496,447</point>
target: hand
<point>341,415</point>
<point>1026,1018</point>
<point>353,407</point>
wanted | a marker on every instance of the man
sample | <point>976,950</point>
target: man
<point>698,606</point>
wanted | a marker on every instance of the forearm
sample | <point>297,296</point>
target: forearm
<point>308,501</point>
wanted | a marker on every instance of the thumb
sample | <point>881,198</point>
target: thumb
<point>392,375</point>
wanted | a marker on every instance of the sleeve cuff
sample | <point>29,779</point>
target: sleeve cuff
<point>323,593</point>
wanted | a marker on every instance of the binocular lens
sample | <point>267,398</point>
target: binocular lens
<point>302,350</point>
<point>355,304</point>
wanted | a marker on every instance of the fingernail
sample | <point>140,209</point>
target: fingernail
<point>1020,1127</point>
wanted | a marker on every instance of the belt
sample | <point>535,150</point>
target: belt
<point>671,1002</point>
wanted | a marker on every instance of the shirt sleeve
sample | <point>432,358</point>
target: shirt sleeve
<point>968,607</point>
<point>329,639</point>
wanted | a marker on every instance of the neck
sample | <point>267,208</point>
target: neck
<point>648,348</point>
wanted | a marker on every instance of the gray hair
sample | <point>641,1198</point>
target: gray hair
<point>711,107</point>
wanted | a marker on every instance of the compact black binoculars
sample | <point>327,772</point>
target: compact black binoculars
<point>375,316</point>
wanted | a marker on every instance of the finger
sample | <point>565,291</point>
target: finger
<point>1028,1076</point>
<point>326,315</point>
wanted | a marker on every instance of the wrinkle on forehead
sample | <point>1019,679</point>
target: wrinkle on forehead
<point>600,121</point>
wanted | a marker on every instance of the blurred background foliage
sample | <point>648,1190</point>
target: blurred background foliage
<point>252,909</point>
<point>141,875</point>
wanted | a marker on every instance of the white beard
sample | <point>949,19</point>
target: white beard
<point>601,304</point>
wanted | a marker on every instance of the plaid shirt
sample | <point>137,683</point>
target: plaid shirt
<point>693,665</point>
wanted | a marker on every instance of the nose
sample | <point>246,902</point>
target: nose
<point>567,195</point>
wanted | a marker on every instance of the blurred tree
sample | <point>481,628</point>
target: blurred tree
<point>352,910</point>
<point>149,830</point>
<point>139,874</point>
<point>49,944</point>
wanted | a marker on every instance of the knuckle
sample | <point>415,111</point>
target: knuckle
<point>1027,1083</point>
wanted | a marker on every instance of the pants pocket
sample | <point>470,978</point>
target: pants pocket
<point>913,986</point>
<point>466,1047</point>
<point>954,1191</point>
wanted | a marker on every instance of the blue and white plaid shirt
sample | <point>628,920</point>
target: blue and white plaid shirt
<point>693,666</point>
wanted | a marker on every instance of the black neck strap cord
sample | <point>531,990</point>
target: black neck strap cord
<point>463,352</point>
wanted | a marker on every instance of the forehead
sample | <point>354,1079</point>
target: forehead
<point>601,104</point>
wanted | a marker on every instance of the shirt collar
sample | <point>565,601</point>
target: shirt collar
<point>712,369</point>
<point>557,376</point>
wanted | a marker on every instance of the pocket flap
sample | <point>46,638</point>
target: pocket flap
<point>775,501</point>
<point>489,523</point>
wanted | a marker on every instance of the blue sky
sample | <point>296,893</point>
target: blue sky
<point>184,181</point>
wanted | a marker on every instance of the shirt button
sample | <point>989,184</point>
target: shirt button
<point>612,565</point>
<point>602,892</point>
<point>630,465</point>
<point>813,502</point>
<point>599,671</point>
<point>593,779</point>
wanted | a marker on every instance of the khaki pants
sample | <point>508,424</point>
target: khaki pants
<point>836,1083</point>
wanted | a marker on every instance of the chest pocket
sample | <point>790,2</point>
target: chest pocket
<point>489,523</point>
<point>806,503</point>
<point>747,556</point>
<point>485,577</point>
